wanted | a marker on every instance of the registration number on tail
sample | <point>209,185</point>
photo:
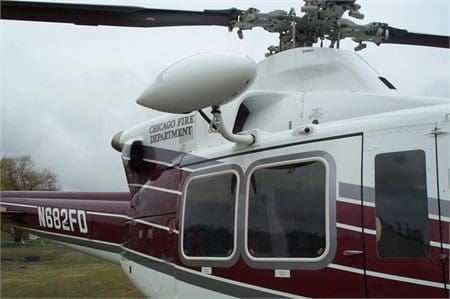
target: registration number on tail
<point>60,218</point>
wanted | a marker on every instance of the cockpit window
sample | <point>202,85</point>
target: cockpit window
<point>210,216</point>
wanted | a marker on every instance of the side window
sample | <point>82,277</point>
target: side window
<point>287,211</point>
<point>209,216</point>
<point>401,204</point>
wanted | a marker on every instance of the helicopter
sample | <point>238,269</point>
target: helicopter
<point>305,175</point>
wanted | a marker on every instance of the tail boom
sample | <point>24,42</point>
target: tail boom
<point>90,222</point>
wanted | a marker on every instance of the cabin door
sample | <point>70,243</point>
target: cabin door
<point>401,214</point>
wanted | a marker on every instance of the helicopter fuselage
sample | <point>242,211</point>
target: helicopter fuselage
<point>344,192</point>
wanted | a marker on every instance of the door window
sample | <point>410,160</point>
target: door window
<point>401,204</point>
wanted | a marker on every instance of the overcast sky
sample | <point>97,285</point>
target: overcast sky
<point>66,89</point>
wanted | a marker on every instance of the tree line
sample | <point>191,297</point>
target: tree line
<point>19,173</point>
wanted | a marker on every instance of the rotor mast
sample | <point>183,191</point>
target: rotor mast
<point>323,19</point>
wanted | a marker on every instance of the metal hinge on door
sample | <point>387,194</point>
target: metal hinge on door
<point>437,132</point>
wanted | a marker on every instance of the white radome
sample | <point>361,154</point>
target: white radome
<point>200,81</point>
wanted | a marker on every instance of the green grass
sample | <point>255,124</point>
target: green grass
<point>61,273</point>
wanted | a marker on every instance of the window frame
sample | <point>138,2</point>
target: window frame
<point>213,261</point>
<point>330,231</point>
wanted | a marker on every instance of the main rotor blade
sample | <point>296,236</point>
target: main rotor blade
<point>400,36</point>
<point>111,15</point>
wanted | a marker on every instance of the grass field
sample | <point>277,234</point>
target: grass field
<point>60,273</point>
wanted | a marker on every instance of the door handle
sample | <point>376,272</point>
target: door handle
<point>350,252</point>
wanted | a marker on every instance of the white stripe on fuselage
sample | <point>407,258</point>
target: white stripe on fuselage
<point>373,232</point>
<point>156,188</point>
<point>372,205</point>
<point>152,161</point>
<point>17,205</point>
